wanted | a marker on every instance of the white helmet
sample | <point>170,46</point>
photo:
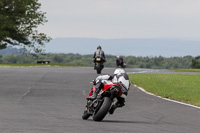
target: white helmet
<point>119,71</point>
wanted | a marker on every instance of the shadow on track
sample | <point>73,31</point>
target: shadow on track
<point>125,122</point>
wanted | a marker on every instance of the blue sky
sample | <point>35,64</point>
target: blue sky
<point>108,19</point>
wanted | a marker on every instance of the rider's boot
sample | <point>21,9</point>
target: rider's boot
<point>97,90</point>
<point>112,109</point>
<point>120,103</point>
<point>94,95</point>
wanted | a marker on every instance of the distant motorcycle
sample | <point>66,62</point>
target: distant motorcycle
<point>99,64</point>
<point>99,107</point>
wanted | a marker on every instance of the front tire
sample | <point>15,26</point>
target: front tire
<point>85,115</point>
<point>103,109</point>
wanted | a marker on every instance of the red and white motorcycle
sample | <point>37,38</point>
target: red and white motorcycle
<point>106,98</point>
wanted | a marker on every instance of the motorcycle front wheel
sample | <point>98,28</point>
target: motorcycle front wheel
<point>101,113</point>
<point>85,115</point>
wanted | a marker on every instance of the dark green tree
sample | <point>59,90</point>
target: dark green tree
<point>196,62</point>
<point>19,20</point>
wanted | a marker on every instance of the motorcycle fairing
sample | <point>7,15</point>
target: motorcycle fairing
<point>106,87</point>
<point>91,92</point>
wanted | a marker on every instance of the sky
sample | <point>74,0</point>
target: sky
<point>109,19</point>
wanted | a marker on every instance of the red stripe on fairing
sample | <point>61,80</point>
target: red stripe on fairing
<point>106,87</point>
<point>91,92</point>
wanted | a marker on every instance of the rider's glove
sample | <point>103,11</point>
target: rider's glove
<point>94,82</point>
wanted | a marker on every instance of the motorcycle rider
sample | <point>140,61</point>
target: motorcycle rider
<point>99,53</point>
<point>119,76</point>
<point>120,62</point>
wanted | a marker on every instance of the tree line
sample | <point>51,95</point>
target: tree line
<point>196,62</point>
<point>87,60</point>
<point>19,20</point>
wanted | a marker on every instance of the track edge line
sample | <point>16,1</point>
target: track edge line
<point>186,104</point>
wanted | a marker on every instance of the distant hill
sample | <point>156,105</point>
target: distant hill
<point>126,47</point>
<point>11,50</point>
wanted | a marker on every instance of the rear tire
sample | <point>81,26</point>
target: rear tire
<point>98,71</point>
<point>98,68</point>
<point>103,109</point>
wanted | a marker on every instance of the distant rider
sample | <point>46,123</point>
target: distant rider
<point>99,53</point>
<point>120,62</point>
<point>119,76</point>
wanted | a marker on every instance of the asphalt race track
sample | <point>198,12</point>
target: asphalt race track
<point>52,100</point>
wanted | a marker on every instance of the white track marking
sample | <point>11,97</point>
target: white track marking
<point>136,72</point>
<point>26,93</point>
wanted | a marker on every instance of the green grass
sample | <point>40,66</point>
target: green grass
<point>17,65</point>
<point>187,70</point>
<point>185,88</point>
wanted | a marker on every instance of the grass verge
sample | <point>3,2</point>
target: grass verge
<point>17,65</point>
<point>184,88</point>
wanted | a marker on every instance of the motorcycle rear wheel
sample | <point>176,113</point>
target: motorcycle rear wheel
<point>98,71</point>
<point>98,68</point>
<point>103,109</point>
